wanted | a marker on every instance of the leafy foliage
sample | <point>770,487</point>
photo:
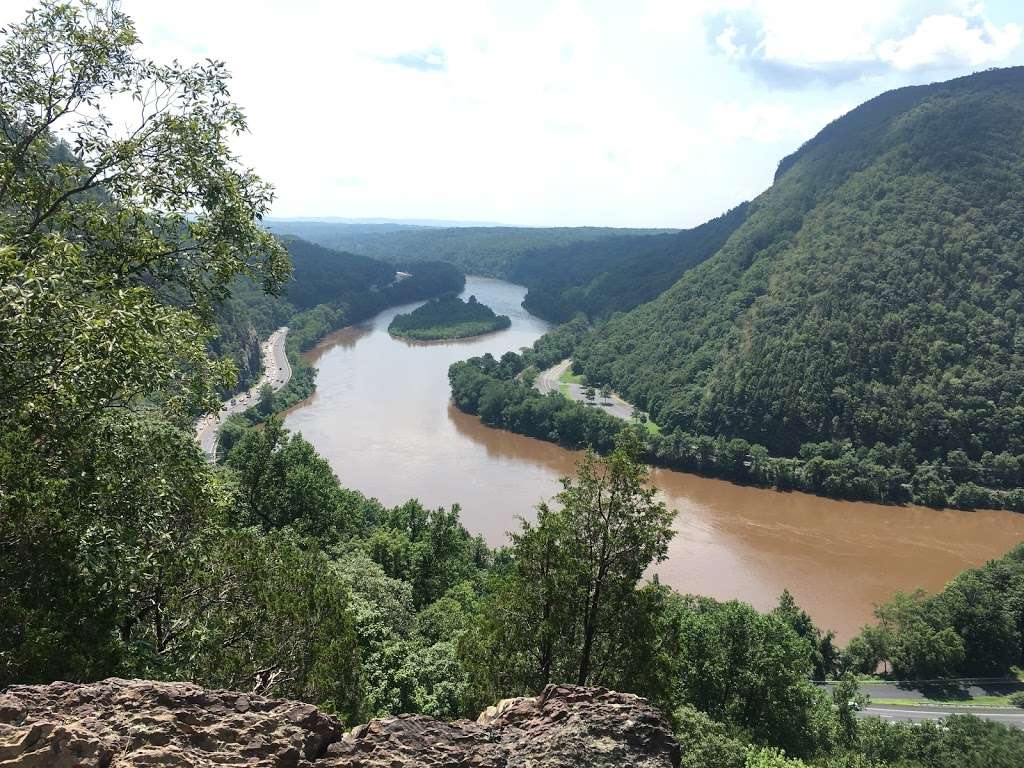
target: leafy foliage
<point>448,317</point>
<point>974,627</point>
<point>559,612</point>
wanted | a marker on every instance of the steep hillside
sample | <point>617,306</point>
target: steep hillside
<point>872,296</point>
<point>616,273</point>
<point>323,276</point>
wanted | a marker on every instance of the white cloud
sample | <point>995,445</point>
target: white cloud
<point>940,41</point>
<point>796,44</point>
<point>554,112</point>
<point>769,121</point>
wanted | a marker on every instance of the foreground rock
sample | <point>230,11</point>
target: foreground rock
<point>120,723</point>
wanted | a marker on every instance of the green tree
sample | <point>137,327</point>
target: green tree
<point>115,245</point>
<point>265,406</point>
<point>918,646</point>
<point>569,607</point>
<point>823,652</point>
<point>847,700</point>
<point>282,481</point>
<point>271,615</point>
<point>751,670</point>
<point>706,743</point>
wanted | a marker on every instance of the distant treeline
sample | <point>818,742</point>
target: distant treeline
<point>328,290</point>
<point>614,274</point>
<point>488,251</point>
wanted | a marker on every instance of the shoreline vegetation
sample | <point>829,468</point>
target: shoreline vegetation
<point>125,554</point>
<point>500,392</point>
<point>307,328</point>
<point>448,317</point>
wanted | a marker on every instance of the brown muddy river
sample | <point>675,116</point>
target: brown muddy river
<point>381,415</point>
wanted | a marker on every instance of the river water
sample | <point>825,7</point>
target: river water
<point>381,415</point>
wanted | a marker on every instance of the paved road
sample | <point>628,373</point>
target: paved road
<point>276,371</point>
<point>548,381</point>
<point>919,691</point>
<point>1009,716</point>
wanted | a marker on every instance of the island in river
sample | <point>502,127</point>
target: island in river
<point>448,317</point>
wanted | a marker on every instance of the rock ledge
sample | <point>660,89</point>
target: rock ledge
<point>120,723</point>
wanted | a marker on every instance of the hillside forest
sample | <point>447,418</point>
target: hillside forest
<point>124,552</point>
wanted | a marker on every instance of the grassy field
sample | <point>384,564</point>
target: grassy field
<point>568,377</point>
<point>974,701</point>
<point>653,428</point>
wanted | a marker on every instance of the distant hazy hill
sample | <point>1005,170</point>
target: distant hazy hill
<point>873,293</point>
<point>614,274</point>
<point>490,251</point>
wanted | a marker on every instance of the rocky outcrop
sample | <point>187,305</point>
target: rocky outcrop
<point>121,723</point>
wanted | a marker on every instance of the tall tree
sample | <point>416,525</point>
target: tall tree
<point>559,612</point>
<point>116,241</point>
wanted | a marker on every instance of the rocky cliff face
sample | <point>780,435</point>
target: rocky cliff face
<point>119,723</point>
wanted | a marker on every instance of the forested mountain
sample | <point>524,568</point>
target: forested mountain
<point>872,296</point>
<point>319,276</point>
<point>327,289</point>
<point>488,251</point>
<point>615,274</point>
<point>322,275</point>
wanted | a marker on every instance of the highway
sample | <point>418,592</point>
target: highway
<point>548,381</point>
<point>276,371</point>
<point>920,705</point>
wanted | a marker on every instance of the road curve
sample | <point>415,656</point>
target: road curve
<point>548,381</point>
<point>277,371</point>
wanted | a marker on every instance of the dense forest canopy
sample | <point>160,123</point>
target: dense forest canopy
<point>448,317</point>
<point>614,274</point>
<point>123,552</point>
<point>322,275</point>
<point>487,251</point>
<point>871,296</point>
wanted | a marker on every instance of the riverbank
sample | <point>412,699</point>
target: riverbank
<point>502,398</point>
<point>382,417</point>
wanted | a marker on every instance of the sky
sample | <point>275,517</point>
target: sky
<point>633,113</point>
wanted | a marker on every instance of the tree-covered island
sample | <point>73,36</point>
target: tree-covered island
<point>448,317</point>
